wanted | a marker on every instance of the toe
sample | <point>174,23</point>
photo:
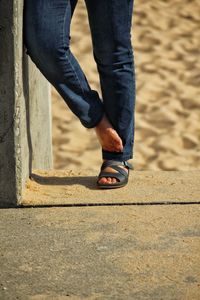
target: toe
<point>103,180</point>
<point>109,180</point>
<point>113,180</point>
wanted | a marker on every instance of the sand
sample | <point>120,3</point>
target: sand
<point>166,40</point>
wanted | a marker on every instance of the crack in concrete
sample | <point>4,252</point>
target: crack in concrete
<point>2,137</point>
<point>107,204</point>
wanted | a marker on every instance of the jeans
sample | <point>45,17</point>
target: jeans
<point>47,39</point>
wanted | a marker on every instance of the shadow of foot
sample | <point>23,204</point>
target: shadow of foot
<point>87,181</point>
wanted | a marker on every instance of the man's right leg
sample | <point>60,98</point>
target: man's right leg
<point>47,36</point>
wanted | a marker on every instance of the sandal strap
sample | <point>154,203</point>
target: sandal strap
<point>128,165</point>
<point>116,168</point>
<point>110,163</point>
<point>120,170</point>
<point>118,176</point>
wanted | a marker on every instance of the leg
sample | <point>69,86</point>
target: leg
<point>47,39</point>
<point>110,23</point>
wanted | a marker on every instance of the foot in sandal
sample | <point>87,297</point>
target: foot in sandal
<point>113,174</point>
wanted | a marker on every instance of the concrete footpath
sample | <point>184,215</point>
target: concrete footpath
<point>144,251</point>
<point>67,187</point>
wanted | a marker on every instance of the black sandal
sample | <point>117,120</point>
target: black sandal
<point>121,175</point>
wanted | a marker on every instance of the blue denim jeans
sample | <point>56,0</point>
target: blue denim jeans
<point>47,39</point>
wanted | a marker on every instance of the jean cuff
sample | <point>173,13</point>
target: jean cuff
<point>118,156</point>
<point>95,122</point>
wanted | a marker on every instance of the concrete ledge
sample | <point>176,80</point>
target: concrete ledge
<point>66,187</point>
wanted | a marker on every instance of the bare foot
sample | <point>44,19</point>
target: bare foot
<point>108,137</point>
<point>108,180</point>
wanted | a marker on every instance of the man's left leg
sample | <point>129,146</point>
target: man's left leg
<point>110,23</point>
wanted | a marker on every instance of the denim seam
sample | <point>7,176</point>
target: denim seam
<point>74,72</point>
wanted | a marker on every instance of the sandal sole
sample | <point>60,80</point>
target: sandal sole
<point>110,186</point>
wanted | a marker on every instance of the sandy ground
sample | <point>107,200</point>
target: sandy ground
<point>166,40</point>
